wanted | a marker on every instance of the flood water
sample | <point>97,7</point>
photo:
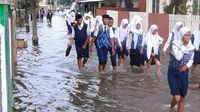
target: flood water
<point>47,81</point>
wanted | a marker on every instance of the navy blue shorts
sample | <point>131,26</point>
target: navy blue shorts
<point>197,57</point>
<point>113,57</point>
<point>102,55</point>
<point>82,53</point>
<point>178,82</point>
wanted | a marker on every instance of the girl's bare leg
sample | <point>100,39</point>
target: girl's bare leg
<point>158,66</point>
<point>148,65</point>
<point>125,61</point>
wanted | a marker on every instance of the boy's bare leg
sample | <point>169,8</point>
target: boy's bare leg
<point>104,67</point>
<point>142,68</point>
<point>80,64</point>
<point>119,61</point>
<point>181,105</point>
<point>193,70</point>
<point>85,61</point>
<point>100,69</point>
<point>175,101</point>
<point>114,69</point>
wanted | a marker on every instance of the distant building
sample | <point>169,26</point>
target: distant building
<point>149,6</point>
<point>91,5</point>
<point>156,6</point>
<point>43,3</point>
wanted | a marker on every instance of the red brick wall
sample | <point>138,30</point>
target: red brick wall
<point>162,20</point>
<point>142,6</point>
<point>100,11</point>
<point>122,15</point>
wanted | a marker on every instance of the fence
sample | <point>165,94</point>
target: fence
<point>191,21</point>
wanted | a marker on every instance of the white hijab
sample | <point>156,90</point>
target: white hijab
<point>122,32</point>
<point>137,32</point>
<point>153,41</point>
<point>177,35</point>
<point>71,17</point>
<point>132,26</point>
<point>183,31</point>
<point>197,38</point>
<point>99,21</point>
<point>88,20</point>
<point>90,14</point>
<point>179,43</point>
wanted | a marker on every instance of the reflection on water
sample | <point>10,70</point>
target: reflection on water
<point>47,81</point>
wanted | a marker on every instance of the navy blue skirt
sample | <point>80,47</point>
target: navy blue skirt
<point>136,58</point>
<point>122,53</point>
<point>197,57</point>
<point>178,82</point>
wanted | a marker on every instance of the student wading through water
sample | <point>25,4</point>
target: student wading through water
<point>196,43</point>
<point>103,39</point>
<point>153,41</point>
<point>80,33</point>
<point>181,60</point>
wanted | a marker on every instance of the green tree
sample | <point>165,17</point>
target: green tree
<point>183,8</point>
<point>26,6</point>
<point>177,7</point>
<point>65,2</point>
<point>196,9</point>
<point>30,7</point>
<point>35,4</point>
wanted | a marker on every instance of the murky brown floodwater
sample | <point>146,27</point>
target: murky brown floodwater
<point>47,81</point>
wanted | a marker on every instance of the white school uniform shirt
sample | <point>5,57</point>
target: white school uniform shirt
<point>92,24</point>
<point>96,31</point>
<point>178,50</point>
<point>134,37</point>
<point>153,41</point>
<point>80,27</point>
<point>196,39</point>
<point>133,32</point>
<point>120,35</point>
<point>121,32</point>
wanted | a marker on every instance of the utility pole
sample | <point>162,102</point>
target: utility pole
<point>6,56</point>
<point>198,7</point>
<point>34,24</point>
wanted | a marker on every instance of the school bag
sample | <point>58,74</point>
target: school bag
<point>67,52</point>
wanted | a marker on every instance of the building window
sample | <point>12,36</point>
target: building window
<point>155,7</point>
<point>135,3</point>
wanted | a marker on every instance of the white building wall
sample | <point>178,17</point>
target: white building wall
<point>149,6</point>
<point>162,3</point>
<point>43,3</point>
